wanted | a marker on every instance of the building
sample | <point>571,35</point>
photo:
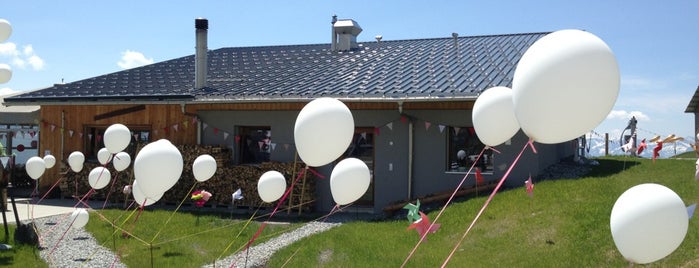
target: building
<point>411,101</point>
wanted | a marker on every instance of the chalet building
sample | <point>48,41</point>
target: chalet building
<point>411,101</point>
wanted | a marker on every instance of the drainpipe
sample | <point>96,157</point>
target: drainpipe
<point>63,127</point>
<point>410,158</point>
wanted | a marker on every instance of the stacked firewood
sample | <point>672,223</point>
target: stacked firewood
<point>227,179</point>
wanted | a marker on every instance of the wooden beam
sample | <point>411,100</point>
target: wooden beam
<point>124,111</point>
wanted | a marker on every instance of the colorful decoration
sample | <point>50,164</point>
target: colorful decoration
<point>200,197</point>
<point>423,226</point>
<point>413,211</point>
<point>530,186</point>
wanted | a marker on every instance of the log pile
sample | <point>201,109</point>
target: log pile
<point>227,179</point>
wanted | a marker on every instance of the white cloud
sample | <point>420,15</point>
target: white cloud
<point>626,115</point>
<point>130,59</point>
<point>7,91</point>
<point>22,59</point>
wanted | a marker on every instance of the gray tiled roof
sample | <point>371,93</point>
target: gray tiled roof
<point>403,69</point>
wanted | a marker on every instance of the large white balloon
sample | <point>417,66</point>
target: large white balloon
<point>79,218</point>
<point>271,186</point>
<point>494,116</point>
<point>204,167</point>
<point>157,167</point>
<point>349,180</point>
<point>35,167</point>
<point>323,131</point>
<point>104,156</point>
<point>99,177</point>
<point>560,69</point>
<point>76,160</point>
<point>5,73</point>
<point>5,30</point>
<point>121,161</point>
<point>140,198</point>
<point>116,138</point>
<point>50,161</point>
<point>648,222</point>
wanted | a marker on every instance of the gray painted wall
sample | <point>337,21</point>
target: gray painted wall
<point>391,169</point>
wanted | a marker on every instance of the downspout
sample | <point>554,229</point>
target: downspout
<point>63,127</point>
<point>410,159</point>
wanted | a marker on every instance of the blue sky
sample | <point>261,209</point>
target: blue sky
<point>655,42</point>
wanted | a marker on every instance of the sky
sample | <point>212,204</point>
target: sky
<point>655,42</point>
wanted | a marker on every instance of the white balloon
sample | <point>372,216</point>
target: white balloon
<point>158,166</point>
<point>349,180</point>
<point>204,167</point>
<point>49,160</point>
<point>461,154</point>
<point>561,68</point>
<point>79,218</point>
<point>35,167</point>
<point>121,161</point>
<point>99,177</point>
<point>140,198</point>
<point>116,138</point>
<point>5,30</point>
<point>323,131</point>
<point>648,222</point>
<point>76,160</point>
<point>5,73</point>
<point>271,186</point>
<point>494,116</point>
<point>104,156</point>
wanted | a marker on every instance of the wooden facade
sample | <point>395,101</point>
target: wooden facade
<point>64,128</point>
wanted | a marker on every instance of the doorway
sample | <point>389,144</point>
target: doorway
<point>362,148</point>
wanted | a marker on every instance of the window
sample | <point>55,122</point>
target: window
<point>255,144</point>
<point>463,147</point>
<point>94,139</point>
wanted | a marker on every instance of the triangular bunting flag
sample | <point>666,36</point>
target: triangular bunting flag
<point>403,119</point>
<point>175,127</point>
<point>53,127</point>
<point>185,123</point>
<point>273,145</point>
<point>427,125</point>
<point>259,144</point>
<point>89,136</point>
<point>70,133</point>
<point>81,135</point>
<point>286,146</point>
<point>166,130</point>
<point>363,135</point>
<point>441,128</point>
<point>225,135</point>
<point>155,131</point>
<point>457,130</point>
<point>98,138</point>
<point>204,125</point>
<point>194,120</point>
<point>390,125</point>
<point>377,131</point>
<point>216,131</point>
<point>237,139</point>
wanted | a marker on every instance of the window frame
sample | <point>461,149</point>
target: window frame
<point>472,147</point>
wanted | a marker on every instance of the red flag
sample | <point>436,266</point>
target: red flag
<point>656,150</point>
<point>479,176</point>
<point>641,147</point>
<point>530,186</point>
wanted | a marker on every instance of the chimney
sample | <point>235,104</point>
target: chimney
<point>200,58</point>
<point>333,43</point>
<point>346,32</point>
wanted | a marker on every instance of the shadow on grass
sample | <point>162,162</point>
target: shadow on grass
<point>608,167</point>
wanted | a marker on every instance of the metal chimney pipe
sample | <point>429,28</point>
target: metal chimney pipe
<point>333,43</point>
<point>200,57</point>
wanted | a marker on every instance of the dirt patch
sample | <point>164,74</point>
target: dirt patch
<point>325,256</point>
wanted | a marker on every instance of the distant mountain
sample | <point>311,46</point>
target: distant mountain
<point>596,148</point>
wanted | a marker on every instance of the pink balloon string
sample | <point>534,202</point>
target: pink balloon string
<point>443,208</point>
<point>111,188</point>
<point>485,205</point>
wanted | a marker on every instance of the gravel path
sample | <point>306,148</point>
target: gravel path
<point>259,255</point>
<point>78,248</point>
<point>74,248</point>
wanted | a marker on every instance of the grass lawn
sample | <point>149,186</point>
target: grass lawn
<point>566,224</point>
<point>19,255</point>
<point>190,239</point>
